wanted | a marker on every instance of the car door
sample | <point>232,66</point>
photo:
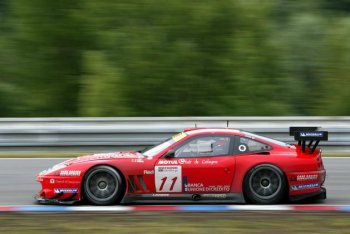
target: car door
<point>202,164</point>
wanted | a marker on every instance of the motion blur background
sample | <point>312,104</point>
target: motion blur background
<point>174,58</point>
<point>113,58</point>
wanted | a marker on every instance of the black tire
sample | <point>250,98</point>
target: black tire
<point>265,184</point>
<point>102,186</point>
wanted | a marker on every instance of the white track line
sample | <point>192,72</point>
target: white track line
<point>337,157</point>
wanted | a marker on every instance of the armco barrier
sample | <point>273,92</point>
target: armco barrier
<point>109,134</point>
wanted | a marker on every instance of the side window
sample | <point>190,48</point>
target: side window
<point>246,145</point>
<point>204,146</point>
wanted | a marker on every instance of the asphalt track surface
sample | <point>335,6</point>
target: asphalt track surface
<point>18,185</point>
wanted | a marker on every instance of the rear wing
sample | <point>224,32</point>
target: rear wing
<point>311,134</point>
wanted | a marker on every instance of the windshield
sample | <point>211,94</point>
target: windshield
<point>163,145</point>
<point>267,139</point>
<point>158,148</point>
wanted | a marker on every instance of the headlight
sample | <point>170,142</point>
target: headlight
<point>52,169</point>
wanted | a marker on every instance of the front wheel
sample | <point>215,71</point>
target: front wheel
<point>102,186</point>
<point>265,184</point>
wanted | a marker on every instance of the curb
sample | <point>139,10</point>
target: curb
<point>181,208</point>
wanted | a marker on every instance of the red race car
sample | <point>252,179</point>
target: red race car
<point>197,166</point>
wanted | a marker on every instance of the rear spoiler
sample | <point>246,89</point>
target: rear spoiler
<point>311,134</point>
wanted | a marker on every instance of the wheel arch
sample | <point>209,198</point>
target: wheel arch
<point>122,176</point>
<point>264,164</point>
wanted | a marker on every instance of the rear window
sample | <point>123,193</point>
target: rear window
<point>280,143</point>
<point>247,145</point>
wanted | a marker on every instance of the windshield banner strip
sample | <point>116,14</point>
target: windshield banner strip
<point>179,136</point>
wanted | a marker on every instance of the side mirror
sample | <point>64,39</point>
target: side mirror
<point>170,154</point>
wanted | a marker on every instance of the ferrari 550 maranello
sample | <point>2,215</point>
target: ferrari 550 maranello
<point>197,166</point>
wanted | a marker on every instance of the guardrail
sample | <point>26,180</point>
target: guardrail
<point>106,134</point>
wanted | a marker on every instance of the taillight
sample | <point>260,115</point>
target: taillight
<point>323,178</point>
<point>319,161</point>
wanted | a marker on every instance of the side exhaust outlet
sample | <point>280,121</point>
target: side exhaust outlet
<point>196,197</point>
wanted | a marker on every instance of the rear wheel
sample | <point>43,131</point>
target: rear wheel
<point>264,184</point>
<point>102,186</point>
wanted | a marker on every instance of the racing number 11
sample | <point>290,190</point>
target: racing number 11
<point>172,183</point>
<point>168,179</point>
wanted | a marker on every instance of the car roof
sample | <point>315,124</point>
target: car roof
<point>199,131</point>
<point>236,132</point>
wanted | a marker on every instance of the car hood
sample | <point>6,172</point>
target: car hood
<point>104,156</point>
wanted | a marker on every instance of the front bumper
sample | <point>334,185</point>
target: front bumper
<point>58,190</point>
<point>55,201</point>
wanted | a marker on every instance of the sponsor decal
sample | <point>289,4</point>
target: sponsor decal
<point>168,162</point>
<point>70,173</point>
<point>52,181</point>
<point>65,190</point>
<point>160,195</point>
<point>305,186</point>
<point>194,187</point>
<point>57,181</point>
<point>187,189</point>
<point>185,161</point>
<point>242,148</point>
<point>215,196</point>
<point>307,177</point>
<point>218,188</point>
<point>196,162</point>
<point>168,178</point>
<point>179,136</point>
<point>168,168</point>
<point>137,160</point>
<point>105,155</point>
<point>199,187</point>
<point>311,134</point>
<point>116,155</point>
<point>148,172</point>
<point>209,162</point>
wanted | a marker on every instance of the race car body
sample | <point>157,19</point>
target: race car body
<point>196,165</point>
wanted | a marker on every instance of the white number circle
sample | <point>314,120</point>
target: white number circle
<point>242,148</point>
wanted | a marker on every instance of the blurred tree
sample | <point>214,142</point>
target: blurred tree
<point>315,58</point>
<point>339,5</point>
<point>156,58</point>
<point>305,48</point>
<point>104,97</point>
<point>258,79</point>
<point>5,62</point>
<point>48,38</point>
<point>336,70</point>
<point>190,59</point>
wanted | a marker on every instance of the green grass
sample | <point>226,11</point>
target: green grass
<point>336,154</point>
<point>170,222</point>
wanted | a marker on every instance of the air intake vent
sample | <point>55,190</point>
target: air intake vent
<point>136,183</point>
